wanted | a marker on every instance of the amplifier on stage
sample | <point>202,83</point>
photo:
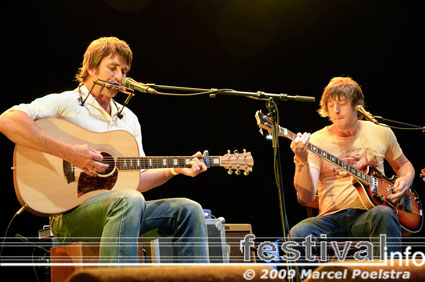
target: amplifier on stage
<point>235,232</point>
<point>223,244</point>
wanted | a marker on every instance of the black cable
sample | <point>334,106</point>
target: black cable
<point>211,92</point>
<point>410,126</point>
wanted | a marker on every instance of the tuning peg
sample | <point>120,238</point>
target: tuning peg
<point>230,172</point>
<point>236,151</point>
<point>245,172</point>
<point>261,131</point>
<point>237,172</point>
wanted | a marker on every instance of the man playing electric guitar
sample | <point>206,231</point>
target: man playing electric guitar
<point>360,144</point>
<point>115,218</point>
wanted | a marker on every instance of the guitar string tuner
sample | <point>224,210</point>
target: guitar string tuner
<point>245,172</point>
<point>237,172</point>
<point>236,151</point>
<point>230,172</point>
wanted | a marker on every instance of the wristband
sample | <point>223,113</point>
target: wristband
<point>301,164</point>
<point>173,172</point>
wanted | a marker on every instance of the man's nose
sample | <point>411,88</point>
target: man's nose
<point>118,76</point>
<point>336,109</point>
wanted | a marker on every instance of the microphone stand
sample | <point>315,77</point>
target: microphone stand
<point>272,100</point>
<point>271,104</point>
<point>213,92</point>
<point>272,107</point>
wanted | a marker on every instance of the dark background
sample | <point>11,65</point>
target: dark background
<point>286,46</point>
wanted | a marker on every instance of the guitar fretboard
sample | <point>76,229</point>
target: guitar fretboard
<point>124,163</point>
<point>360,175</point>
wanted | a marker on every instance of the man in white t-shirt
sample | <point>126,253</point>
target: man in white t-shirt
<point>115,218</point>
<point>359,144</point>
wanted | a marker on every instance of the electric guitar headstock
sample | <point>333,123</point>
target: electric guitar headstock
<point>237,162</point>
<point>264,122</point>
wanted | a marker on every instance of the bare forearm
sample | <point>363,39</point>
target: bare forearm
<point>152,178</point>
<point>405,173</point>
<point>304,184</point>
<point>408,171</point>
<point>22,130</point>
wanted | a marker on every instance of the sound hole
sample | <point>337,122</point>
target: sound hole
<point>109,160</point>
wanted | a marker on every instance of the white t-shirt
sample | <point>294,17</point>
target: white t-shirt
<point>90,116</point>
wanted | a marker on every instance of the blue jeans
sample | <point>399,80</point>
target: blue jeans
<point>354,223</point>
<point>118,218</point>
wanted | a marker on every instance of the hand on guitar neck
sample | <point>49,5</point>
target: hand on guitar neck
<point>299,147</point>
<point>196,168</point>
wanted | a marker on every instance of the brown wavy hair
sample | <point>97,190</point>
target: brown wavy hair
<point>99,49</point>
<point>338,88</point>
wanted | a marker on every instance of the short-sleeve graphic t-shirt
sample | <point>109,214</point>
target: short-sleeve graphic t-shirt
<point>369,147</point>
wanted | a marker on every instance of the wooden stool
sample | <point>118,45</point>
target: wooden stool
<point>78,253</point>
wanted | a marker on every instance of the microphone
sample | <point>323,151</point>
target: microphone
<point>131,83</point>
<point>366,114</point>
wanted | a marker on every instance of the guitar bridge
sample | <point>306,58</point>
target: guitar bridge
<point>68,171</point>
<point>374,185</point>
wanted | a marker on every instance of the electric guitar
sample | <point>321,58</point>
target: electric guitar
<point>48,185</point>
<point>372,186</point>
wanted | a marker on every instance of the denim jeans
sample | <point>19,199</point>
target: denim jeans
<point>118,218</point>
<point>356,224</point>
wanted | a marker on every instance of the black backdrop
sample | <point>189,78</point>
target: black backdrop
<point>291,47</point>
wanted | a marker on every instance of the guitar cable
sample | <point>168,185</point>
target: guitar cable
<point>8,226</point>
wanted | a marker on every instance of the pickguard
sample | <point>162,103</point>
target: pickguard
<point>88,183</point>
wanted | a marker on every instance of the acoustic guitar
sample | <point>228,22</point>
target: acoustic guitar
<point>48,185</point>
